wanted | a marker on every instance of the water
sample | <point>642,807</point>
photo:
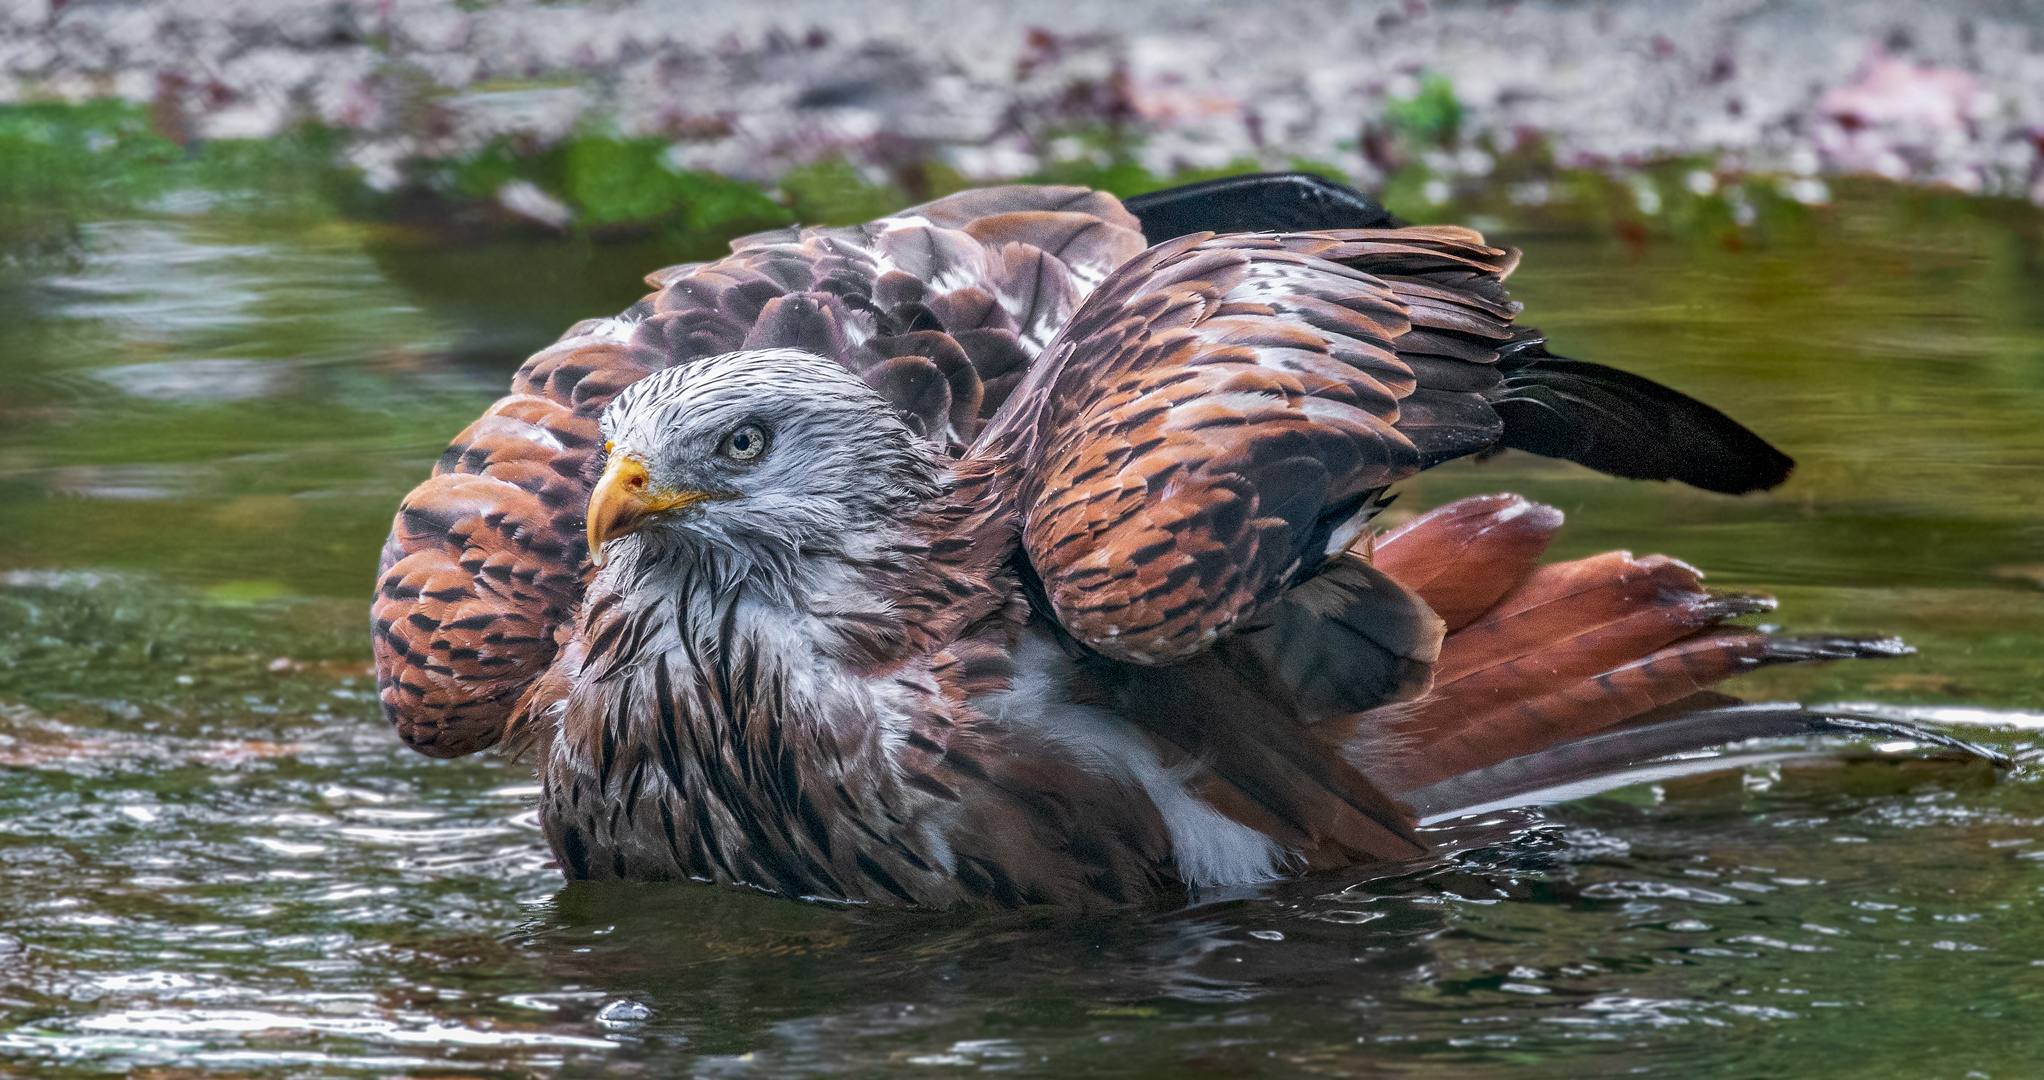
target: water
<point>218,860</point>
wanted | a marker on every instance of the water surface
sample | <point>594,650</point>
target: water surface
<point>218,859</point>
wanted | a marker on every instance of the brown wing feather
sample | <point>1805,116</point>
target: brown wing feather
<point>1464,557</point>
<point>485,568</point>
<point>1254,761</point>
<point>1087,230</point>
<point>1350,639</point>
<point>941,306</point>
<point>1220,408</point>
<point>486,560</point>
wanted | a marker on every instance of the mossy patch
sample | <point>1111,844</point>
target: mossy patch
<point>61,163</point>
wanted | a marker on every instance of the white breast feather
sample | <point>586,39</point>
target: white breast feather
<point>1211,848</point>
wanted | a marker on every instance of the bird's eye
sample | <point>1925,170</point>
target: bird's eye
<point>747,442</point>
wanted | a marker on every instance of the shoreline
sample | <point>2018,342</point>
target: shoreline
<point>1951,95</point>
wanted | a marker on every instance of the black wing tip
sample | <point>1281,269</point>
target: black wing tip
<point>1257,202</point>
<point>1829,722</point>
<point>1616,757</point>
<point>1627,425</point>
<point>1806,648</point>
<point>1761,466</point>
<point>1759,473</point>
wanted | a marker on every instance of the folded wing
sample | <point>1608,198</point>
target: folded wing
<point>1218,419</point>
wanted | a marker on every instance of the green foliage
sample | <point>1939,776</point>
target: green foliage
<point>298,172</point>
<point>615,184</point>
<point>98,152</point>
<point>479,175</point>
<point>61,162</point>
<point>615,181</point>
<point>1433,117</point>
<point>1120,174</point>
<point>1404,194</point>
<point>834,193</point>
<point>1429,120</point>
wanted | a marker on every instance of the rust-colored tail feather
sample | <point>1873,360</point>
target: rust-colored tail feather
<point>1539,655</point>
<point>1463,557</point>
<point>1573,620</point>
<point>1584,706</point>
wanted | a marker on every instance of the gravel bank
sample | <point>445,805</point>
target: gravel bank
<point>1950,93</point>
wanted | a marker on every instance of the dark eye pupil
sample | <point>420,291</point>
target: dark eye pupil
<point>745,443</point>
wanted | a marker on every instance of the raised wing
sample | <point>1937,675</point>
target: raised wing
<point>1218,419</point>
<point>942,308</point>
<point>486,561</point>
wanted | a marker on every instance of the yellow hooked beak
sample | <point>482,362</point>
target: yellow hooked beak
<point>625,498</point>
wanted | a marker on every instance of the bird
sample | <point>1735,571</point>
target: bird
<point>1018,548</point>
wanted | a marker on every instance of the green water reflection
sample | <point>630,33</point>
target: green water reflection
<point>216,857</point>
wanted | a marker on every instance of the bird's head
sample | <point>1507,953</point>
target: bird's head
<point>767,451</point>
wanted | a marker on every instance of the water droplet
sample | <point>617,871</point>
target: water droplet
<point>623,1012</point>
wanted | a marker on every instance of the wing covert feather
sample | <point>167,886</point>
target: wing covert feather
<point>486,560</point>
<point>1217,418</point>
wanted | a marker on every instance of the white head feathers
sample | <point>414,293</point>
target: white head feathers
<point>800,456</point>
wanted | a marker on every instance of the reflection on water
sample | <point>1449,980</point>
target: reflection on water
<point>217,859</point>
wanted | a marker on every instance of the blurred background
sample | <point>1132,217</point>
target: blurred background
<point>260,259</point>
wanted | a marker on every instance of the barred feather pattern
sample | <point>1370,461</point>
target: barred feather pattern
<point>1220,416</point>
